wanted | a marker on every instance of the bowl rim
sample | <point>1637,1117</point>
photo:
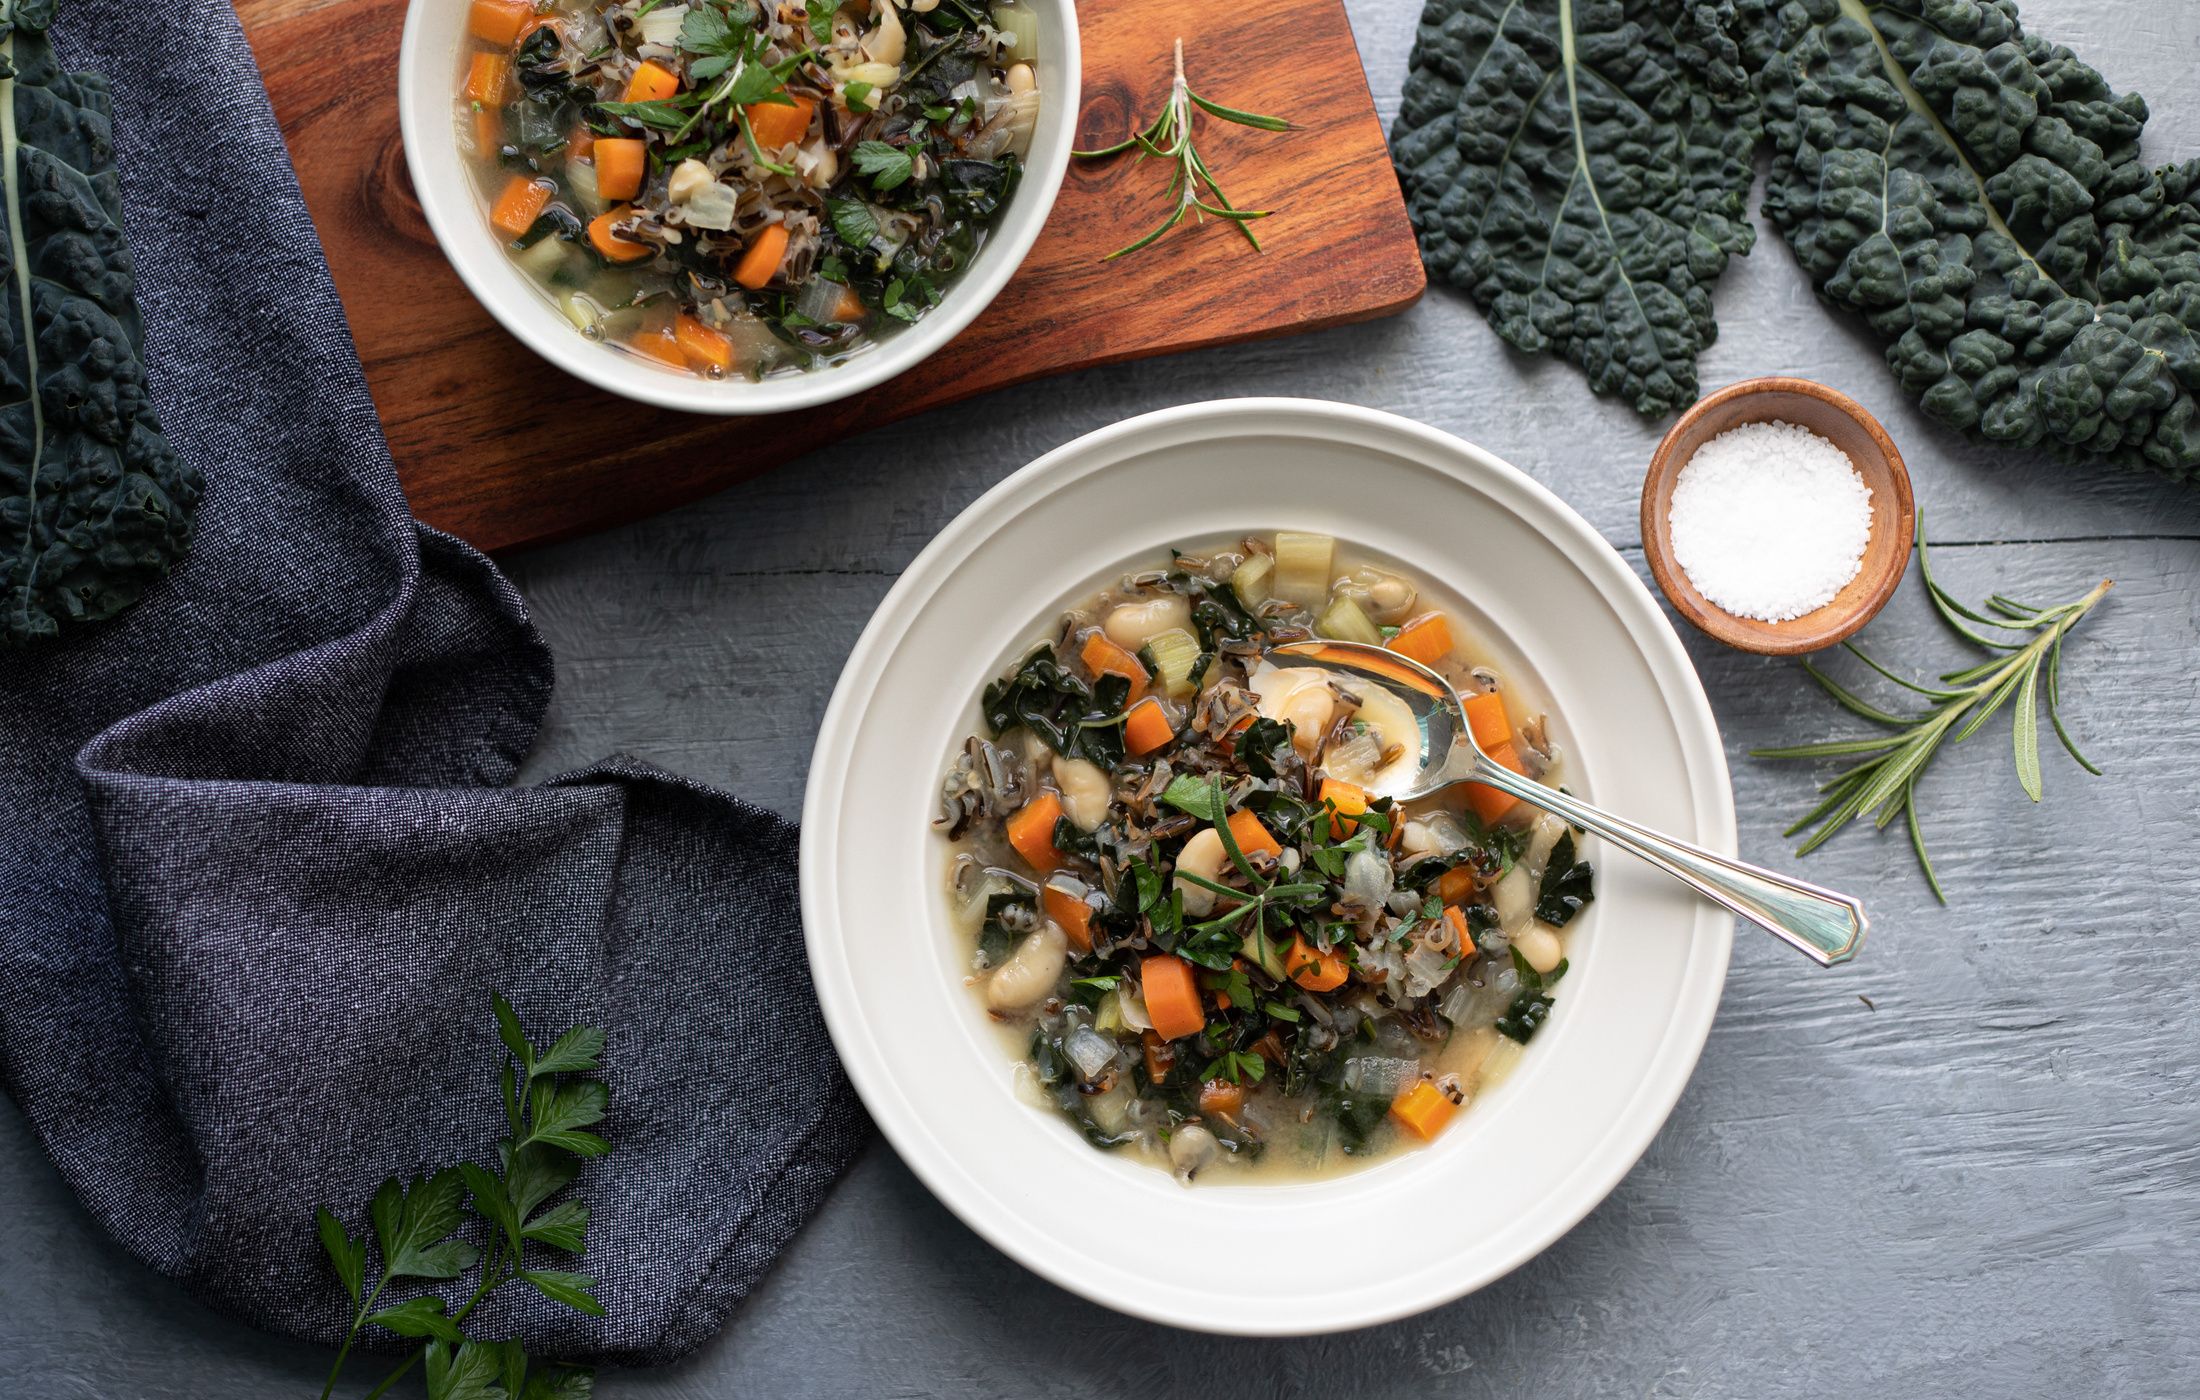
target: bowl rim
<point>1618,1142</point>
<point>500,288</point>
<point>1752,634</point>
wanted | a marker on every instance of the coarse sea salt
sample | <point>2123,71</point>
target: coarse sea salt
<point>1770,520</point>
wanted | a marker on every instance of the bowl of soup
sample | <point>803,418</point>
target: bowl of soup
<point>1124,953</point>
<point>737,208</point>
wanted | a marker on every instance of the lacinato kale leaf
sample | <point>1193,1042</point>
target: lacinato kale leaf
<point>95,506</point>
<point>1581,169</point>
<point>1567,885</point>
<point>1531,1005</point>
<point>1074,719</point>
<point>1976,194</point>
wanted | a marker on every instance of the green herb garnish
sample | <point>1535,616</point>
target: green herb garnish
<point>415,1229</point>
<point>1884,782</point>
<point>1169,137</point>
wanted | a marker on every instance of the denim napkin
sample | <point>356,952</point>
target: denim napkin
<point>260,865</point>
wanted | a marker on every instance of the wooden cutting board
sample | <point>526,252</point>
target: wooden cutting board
<point>497,447</point>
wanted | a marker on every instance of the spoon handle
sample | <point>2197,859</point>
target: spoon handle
<point>1827,927</point>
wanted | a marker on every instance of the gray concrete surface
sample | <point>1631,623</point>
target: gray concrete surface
<point>1985,1182</point>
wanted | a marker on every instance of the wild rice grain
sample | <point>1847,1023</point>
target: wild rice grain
<point>1770,520</point>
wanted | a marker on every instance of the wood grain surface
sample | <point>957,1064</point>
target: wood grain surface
<point>499,448</point>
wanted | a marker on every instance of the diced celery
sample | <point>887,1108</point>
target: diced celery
<point>1260,948</point>
<point>1303,566</point>
<point>1175,652</point>
<point>1109,1015</point>
<point>542,258</point>
<point>1346,621</point>
<point>1019,23</point>
<point>578,309</point>
<point>1251,579</point>
<point>580,178</point>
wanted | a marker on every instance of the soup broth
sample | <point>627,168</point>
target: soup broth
<point>1202,939</point>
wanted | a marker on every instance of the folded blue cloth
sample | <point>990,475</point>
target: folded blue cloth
<point>260,867</point>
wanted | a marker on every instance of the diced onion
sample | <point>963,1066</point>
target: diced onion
<point>1379,1076</point>
<point>662,25</point>
<point>1458,1004</point>
<point>1090,1051</point>
<point>1133,1007</point>
<point>1017,119</point>
<point>578,309</point>
<point>1356,759</point>
<point>1303,563</point>
<point>711,207</point>
<point>819,300</point>
<point>1019,26</point>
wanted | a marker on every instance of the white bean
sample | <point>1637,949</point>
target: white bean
<point>1020,77</point>
<point>1514,898</point>
<point>689,178</point>
<point>1308,712</point>
<point>1030,972</point>
<point>1539,944</point>
<point>1085,790</point>
<point>1132,625</point>
<point>1191,1148</point>
<point>1204,857</point>
<point>888,42</point>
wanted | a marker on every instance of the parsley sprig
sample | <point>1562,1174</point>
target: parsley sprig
<point>1169,137</point>
<point>416,1229</point>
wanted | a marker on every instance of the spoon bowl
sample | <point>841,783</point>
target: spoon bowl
<point>1824,926</point>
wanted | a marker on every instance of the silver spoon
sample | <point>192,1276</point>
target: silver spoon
<point>1827,927</point>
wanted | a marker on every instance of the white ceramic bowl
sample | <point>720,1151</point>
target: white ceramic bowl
<point>428,79</point>
<point>1529,1158</point>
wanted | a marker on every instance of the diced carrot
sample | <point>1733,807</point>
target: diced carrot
<point>850,306</point>
<point>499,21</point>
<point>1221,1099</point>
<point>1423,1110</point>
<point>1146,728</point>
<point>1072,913</point>
<point>1456,885</point>
<point>1488,803</point>
<point>488,130</point>
<point>1104,658</point>
<point>1172,996</point>
<point>660,345</point>
<point>775,124</point>
<point>652,82</point>
<point>581,145</point>
<point>611,245</point>
<point>620,163</point>
<point>1486,720</point>
<point>1316,969</point>
<point>520,205</point>
<point>1459,929</point>
<point>1252,838</point>
<point>1031,831</point>
<point>1160,1056</point>
<point>703,347</point>
<point>1349,800</point>
<point>1426,639</point>
<point>761,262</point>
<point>489,78</point>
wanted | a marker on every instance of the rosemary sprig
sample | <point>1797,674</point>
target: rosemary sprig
<point>1883,783</point>
<point>1169,137</point>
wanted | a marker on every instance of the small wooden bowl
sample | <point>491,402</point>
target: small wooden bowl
<point>1833,416</point>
